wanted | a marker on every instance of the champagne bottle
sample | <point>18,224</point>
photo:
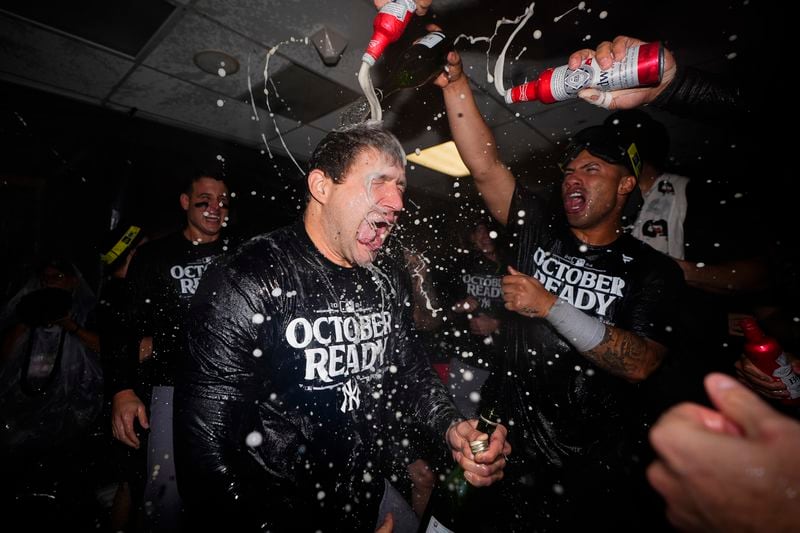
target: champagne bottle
<point>420,63</point>
<point>452,498</point>
<point>388,26</point>
<point>766,354</point>
<point>642,65</point>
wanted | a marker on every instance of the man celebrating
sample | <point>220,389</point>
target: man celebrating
<point>163,276</point>
<point>593,319</point>
<point>303,364</point>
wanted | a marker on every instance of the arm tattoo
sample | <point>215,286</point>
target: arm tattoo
<point>625,354</point>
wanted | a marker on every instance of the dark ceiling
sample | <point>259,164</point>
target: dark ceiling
<point>103,106</point>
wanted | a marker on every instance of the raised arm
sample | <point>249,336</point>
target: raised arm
<point>475,141</point>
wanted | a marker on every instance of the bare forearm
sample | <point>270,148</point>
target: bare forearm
<point>726,278</point>
<point>90,339</point>
<point>474,139</point>
<point>626,354</point>
<point>478,149</point>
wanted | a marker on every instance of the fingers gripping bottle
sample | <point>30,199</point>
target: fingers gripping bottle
<point>389,24</point>
<point>420,63</point>
<point>454,501</point>
<point>642,65</point>
<point>765,353</point>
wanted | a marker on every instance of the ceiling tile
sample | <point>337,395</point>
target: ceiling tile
<point>32,55</point>
<point>122,25</point>
<point>175,53</point>
<point>189,106</point>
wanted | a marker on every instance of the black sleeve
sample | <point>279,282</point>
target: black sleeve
<point>653,310</point>
<point>698,94</point>
<point>216,401</point>
<point>118,345</point>
<point>121,360</point>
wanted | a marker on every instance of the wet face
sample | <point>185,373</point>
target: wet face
<point>591,191</point>
<point>206,209</point>
<point>361,210</point>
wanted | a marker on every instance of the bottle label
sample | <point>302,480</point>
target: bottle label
<point>399,10</point>
<point>624,74</point>
<point>430,40</point>
<point>789,378</point>
<point>434,526</point>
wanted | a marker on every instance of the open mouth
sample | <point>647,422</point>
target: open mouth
<point>211,217</point>
<point>574,202</point>
<point>372,234</point>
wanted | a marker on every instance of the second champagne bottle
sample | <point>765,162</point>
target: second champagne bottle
<point>454,500</point>
<point>642,65</point>
<point>419,64</point>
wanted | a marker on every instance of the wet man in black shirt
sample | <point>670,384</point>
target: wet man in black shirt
<point>593,311</point>
<point>303,364</point>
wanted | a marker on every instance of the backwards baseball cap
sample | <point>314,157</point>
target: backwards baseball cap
<point>609,144</point>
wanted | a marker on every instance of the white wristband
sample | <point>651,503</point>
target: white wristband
<point>584,332</point>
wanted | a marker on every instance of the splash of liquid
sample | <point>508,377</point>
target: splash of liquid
<point>365,81</point>
<point>503,21</point>
<point>501,59</point>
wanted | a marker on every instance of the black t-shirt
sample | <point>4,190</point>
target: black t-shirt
<point>479,278</point>
<point>116,336</point>
<point>564,408</point>
<point>163,277</point>
<point>316,362</point>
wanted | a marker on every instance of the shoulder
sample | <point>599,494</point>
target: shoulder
<point>161,245</point>
<point>267,254</point>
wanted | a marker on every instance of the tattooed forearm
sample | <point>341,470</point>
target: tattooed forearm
<point>626,354</point>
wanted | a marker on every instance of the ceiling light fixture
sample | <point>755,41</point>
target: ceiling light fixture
<point>216,62</point>
<point>329,44</point>
<point>442,158</point>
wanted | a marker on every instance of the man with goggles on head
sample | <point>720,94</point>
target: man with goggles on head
<point>593,312</point>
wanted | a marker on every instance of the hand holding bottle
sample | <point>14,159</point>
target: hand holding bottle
<point>486,467</point>
<point>453,71</point>
<point>422,5</point>
<point>606,54</point>
<point>388,26</point>
<point>764,384</point>
<point>768,358</point>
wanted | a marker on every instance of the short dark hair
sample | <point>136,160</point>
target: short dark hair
<point>196,176</point>
<point>338,149</point>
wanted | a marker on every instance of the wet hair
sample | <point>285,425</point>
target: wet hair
<point>339,149</point>
<point>651,136</point>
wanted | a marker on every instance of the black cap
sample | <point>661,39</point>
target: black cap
<point>609,144</point>
<point>651,136</point>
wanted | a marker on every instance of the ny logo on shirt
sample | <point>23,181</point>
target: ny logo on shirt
<point>352,396</point>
